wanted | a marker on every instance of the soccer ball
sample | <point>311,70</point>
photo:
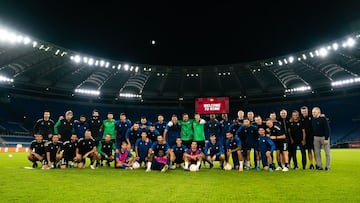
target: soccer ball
<point>136,165</point>
<point>10,155</point>
<point>227,167</point>
<point>193,168</point>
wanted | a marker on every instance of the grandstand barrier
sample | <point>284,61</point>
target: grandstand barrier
<point>14,149</point>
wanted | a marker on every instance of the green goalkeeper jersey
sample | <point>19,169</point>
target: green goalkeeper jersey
<point>186,130</point>
<point>199,132</point>
<point>109,128</point>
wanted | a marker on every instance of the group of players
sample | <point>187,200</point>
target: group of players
<point>187,143</point>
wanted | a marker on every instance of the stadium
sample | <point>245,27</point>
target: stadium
<point>49,65</point>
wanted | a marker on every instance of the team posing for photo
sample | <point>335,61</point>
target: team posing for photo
<point>187,143</point>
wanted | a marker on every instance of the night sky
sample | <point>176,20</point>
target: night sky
<point>186,34</point>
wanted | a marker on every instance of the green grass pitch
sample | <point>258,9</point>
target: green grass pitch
<point>342,183</point>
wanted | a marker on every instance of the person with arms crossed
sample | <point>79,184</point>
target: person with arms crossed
<point>321,133</point>
<point>297,138</point>
<point>172,131</point>
<point>44,126</point>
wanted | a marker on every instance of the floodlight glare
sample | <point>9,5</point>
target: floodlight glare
<point>291,59</point>
<point>87,91</point>
<point>350,42</point>
<point>91,61</point>
<point>335,46</point>
<point>323,52</point>
<point>5,79</point>
<point>77,59</point>
<point>126,67</point>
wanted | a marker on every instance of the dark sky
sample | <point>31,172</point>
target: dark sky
<point>187,34</point>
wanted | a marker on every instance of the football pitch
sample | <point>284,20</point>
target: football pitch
<point>341,183</point>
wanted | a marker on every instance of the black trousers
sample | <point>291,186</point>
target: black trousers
<point>292,151</point>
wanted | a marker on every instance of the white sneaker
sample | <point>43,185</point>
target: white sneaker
<point>129,168</point>
<point>173,167</point>
<point>92,167</point>
<point>148,170</point>
<point>278,168</point>
<point>285,169</point>
<point>165,168</point>
<point>241,168</point>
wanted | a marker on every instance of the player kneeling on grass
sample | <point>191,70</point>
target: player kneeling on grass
<point>193,156</point>
<point>86,149</point>
<point>233,148</point>
<point>214,151</point>
<point>177,154</point>
<point>142,146</point>
<point>266,148</point>
<point>37,150</point>
<point>69,152</point>
<point>53,154</point>
<point>123,157</point>
<point>106,149</point>
<point>158,145</point>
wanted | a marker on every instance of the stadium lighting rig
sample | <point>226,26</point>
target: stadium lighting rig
<point>129,95</point>
<point>6,79</point>
<point>298,89</point>
<point>346,82</point>
<point>87,92</point>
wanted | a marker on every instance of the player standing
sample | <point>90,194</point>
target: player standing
<point>81,126</point>
<point>297,138</point>
<point>121,127</point>
<point>108,127</point>
<point>279,138</point>
<point>187,133</point>
<point>95,125</point>
<point>65,127</point>
<point>44,126</point>
<point>306,121</point>
<point>172,130</point>
<point>160,125</point>
<point>321,132</point>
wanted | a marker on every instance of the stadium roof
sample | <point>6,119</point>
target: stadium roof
<point>59,68</point>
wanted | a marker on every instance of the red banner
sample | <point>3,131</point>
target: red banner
<point>212,105</point>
